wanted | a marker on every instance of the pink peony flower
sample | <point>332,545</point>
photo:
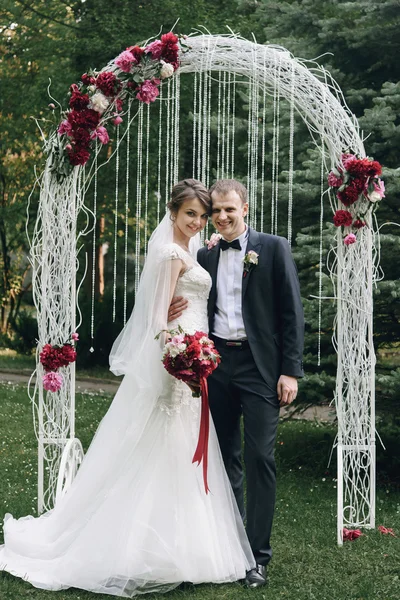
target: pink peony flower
<point>351,534</point>
<point>155,48</point>
<point>65,127</point>
<point>118,120</point>
<point>125,61</point>
<point>350,239</point>
<point>380,187</point>
<point>52,381</point>
<point>378,192</point>
<point>178,339</point>
<point>334,180</point>
<point>75,337</point>
<point>102,134</point>
<point>148,91</point>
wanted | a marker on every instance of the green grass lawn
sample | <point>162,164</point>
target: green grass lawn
<point>307,562</point>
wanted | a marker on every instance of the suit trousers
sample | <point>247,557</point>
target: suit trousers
<point>236,389</point>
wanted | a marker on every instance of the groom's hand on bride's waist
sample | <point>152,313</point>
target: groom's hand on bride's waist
<point>287,390</point>
<point>176,308</point>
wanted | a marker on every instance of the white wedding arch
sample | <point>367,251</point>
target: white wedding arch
<point>271,80</point>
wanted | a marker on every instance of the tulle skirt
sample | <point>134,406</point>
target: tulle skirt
<point>136,518</point>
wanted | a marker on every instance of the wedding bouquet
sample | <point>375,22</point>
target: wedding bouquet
<point>192,358</point>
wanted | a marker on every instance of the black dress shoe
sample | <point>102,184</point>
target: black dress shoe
<point>256,577</point>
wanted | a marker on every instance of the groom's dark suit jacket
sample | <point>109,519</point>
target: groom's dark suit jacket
<point>271,305</point>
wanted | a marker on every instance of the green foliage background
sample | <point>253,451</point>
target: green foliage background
<point>59,40</point>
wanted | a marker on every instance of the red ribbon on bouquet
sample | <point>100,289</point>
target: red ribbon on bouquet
<point>201,453</point>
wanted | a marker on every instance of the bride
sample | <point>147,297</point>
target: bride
<point>136,518</point>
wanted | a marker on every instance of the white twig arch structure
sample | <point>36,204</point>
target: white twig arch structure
<point>310,92</point>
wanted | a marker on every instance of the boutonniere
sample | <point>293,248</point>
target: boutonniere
<point>213,241</point>
<point>249,261</point>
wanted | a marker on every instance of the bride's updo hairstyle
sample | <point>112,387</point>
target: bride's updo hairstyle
<point>189,189</point>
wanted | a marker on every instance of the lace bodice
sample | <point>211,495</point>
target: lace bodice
<point>194,285</point>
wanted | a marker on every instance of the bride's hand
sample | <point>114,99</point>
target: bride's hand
<point>176,308</point>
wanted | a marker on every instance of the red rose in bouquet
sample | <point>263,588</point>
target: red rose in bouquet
<point>192,358</point>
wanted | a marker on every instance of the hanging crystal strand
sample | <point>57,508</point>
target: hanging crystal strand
<point>273,174</point>
<point>94,248</point>
<point>177,122</point>
<point>194,124</point>
<point>254,159</point>
<point>146,189</point>
<point>249,140</point>
<point>167,142</point>
<point>277,146</point>
<point>228,126</point>
<point>138,195</point>
<point>205,129</point>
<point>223,126</point>
<point>128,133</point>
<point>160,101</point>
<point>219,126</point>
<point>115,227</point>
<point>204,119</point>
<point>208,182</point>
<point>233,127</point>
<point>199,120</point>
<point>264,115</point>
<point>291,155</point>
<point>172,138</point>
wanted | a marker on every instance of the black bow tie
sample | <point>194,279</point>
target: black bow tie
<point>224,245</point>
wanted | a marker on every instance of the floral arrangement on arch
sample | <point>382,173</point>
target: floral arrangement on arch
<point>97,101</point>
<point>354,179</point>
<point>53,358</point>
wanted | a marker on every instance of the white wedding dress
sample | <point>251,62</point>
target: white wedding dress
<point>136,518</point>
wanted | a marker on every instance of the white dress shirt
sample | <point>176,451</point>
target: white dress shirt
<point>228,321</point>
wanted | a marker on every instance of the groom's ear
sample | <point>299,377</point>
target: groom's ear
<point>245,209</point>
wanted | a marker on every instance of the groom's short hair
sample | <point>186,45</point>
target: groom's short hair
<point>224,186</point>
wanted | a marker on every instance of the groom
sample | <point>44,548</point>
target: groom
<point>256,322</point>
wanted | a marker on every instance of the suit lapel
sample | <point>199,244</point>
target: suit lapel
<point>253,243</point>
<point>213,260</point>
